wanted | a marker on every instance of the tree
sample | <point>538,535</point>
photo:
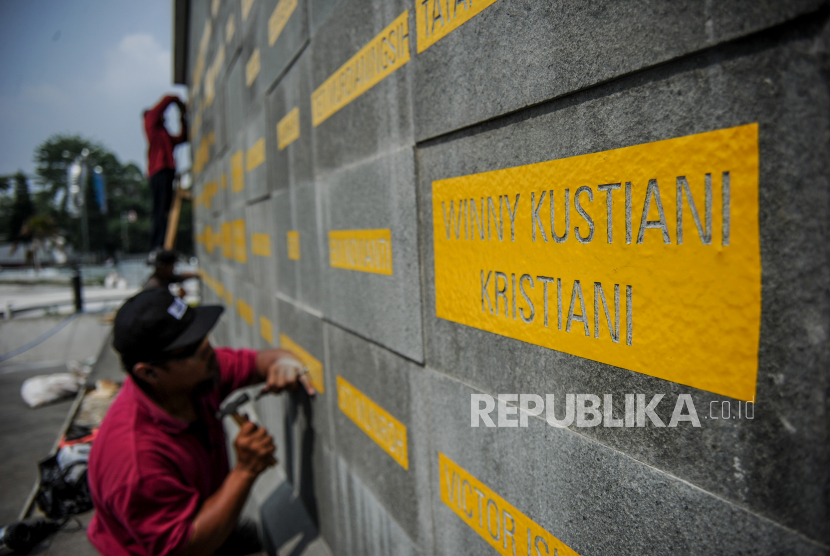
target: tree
<point>41,233</point>
<point>6,201</point>
<point>22,207</point>
<point>127,189</point>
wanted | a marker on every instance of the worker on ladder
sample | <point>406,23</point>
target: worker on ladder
<point>161,165</point>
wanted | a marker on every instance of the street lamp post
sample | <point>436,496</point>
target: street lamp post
<point>77,191</point>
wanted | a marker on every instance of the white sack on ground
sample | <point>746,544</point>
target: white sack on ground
<point>40,390</point>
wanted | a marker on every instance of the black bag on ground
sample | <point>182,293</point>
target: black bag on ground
<point>62,492</point>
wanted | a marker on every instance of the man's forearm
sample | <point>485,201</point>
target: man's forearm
<point>219,514</point>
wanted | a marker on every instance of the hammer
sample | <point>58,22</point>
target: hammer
<point>230,410</point>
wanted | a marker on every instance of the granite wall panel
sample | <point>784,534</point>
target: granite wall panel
<point>378,194</point>
<point>310,139</point>
<point>747,82</point>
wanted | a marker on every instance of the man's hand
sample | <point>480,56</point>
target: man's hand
<point>285,373</point>
<point>254,449</point>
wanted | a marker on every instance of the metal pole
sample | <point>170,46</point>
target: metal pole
<point>84,224</point>
<point>77,286</point>
<point>125,238</point>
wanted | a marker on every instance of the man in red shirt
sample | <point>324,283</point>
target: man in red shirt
<point>158,470</point>
<point>161,166</point>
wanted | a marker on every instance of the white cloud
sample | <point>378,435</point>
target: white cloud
<point>137,65</point>
<point>136,73</point>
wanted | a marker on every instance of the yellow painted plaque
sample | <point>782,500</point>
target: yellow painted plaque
<point>245,311</point>
<point>266,330</point>
<point>246,8</point>
<point>388,432</point>
<point>293,245</point>
<point>278,19</point>
<point>255,155</point>
<point>208,193</point>
<point>212,74</point>
<point>225,240</point>
<point>214,8</point>
<point>228,298</point>
<point>230,28</point>
<point>499,523</point>
<point>363,250</point>
<point>197,123</point>
<point>384,54</point>
<point>252,68</point>
<point>314,366</point>
<point>261,245</point>
<point>214,284</point>
<point>645,257</point>
<point>435,19</point>
<point>237,172</point>
<point>288,128</point>
<point>209,238</point>
<point>202,156</point>
<point>240,245</point>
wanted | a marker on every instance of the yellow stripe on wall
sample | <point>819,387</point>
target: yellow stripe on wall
<point>245,311</point>
<point>314,366</point>
<point>506,529</point>
<point>255,155</point>
<point>261,245</point>
<point>374,62</point>
<point>361,250</point>
<point>388,432</point>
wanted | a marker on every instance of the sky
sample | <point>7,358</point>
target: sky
<point>87,67</point>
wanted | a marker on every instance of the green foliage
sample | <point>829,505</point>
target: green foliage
<point>44,210</point>
<point>127,189</point>
<point>22,208</point>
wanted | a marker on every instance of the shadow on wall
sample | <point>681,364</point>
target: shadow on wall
<point>289,516</point>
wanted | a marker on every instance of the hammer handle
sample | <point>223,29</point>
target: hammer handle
<point>240,420</point>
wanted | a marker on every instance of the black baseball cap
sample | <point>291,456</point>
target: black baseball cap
<point>154,323</point>
<point>166,257</point>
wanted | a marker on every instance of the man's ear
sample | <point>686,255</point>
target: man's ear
<point>146,372</point>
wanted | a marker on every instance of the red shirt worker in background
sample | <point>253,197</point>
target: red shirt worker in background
<point>161,166</point>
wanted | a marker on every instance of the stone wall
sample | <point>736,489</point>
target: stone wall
<point>329,138</point>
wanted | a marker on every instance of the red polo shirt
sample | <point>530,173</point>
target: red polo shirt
<point>150,473</point>
<point>161,143</point>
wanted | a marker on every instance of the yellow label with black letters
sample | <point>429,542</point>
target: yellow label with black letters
<point>388,432</point>
<point>246,8</point>
<point>280,16</point>
<point>225,240</point>
<point>245,311</point>
<point>499,523</point>
<point>362,250</point>
<point>435,19</point>
<point>374,62</point>
<point>237,172</point>
<point>314,366</point>
<point>230,28</point>
<point>255,155</point>
<point>645,257</point>
<point>293,237</point>
<point>266,330</point>
<point>240,245</point>
<point>252,68</point>
<point>288,128</point>
<point>261,245</point>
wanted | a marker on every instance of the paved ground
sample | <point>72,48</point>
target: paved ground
<point>96,298</point>
<point>26,436</point>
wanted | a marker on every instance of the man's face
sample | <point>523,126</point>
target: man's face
<point>194,374</point>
